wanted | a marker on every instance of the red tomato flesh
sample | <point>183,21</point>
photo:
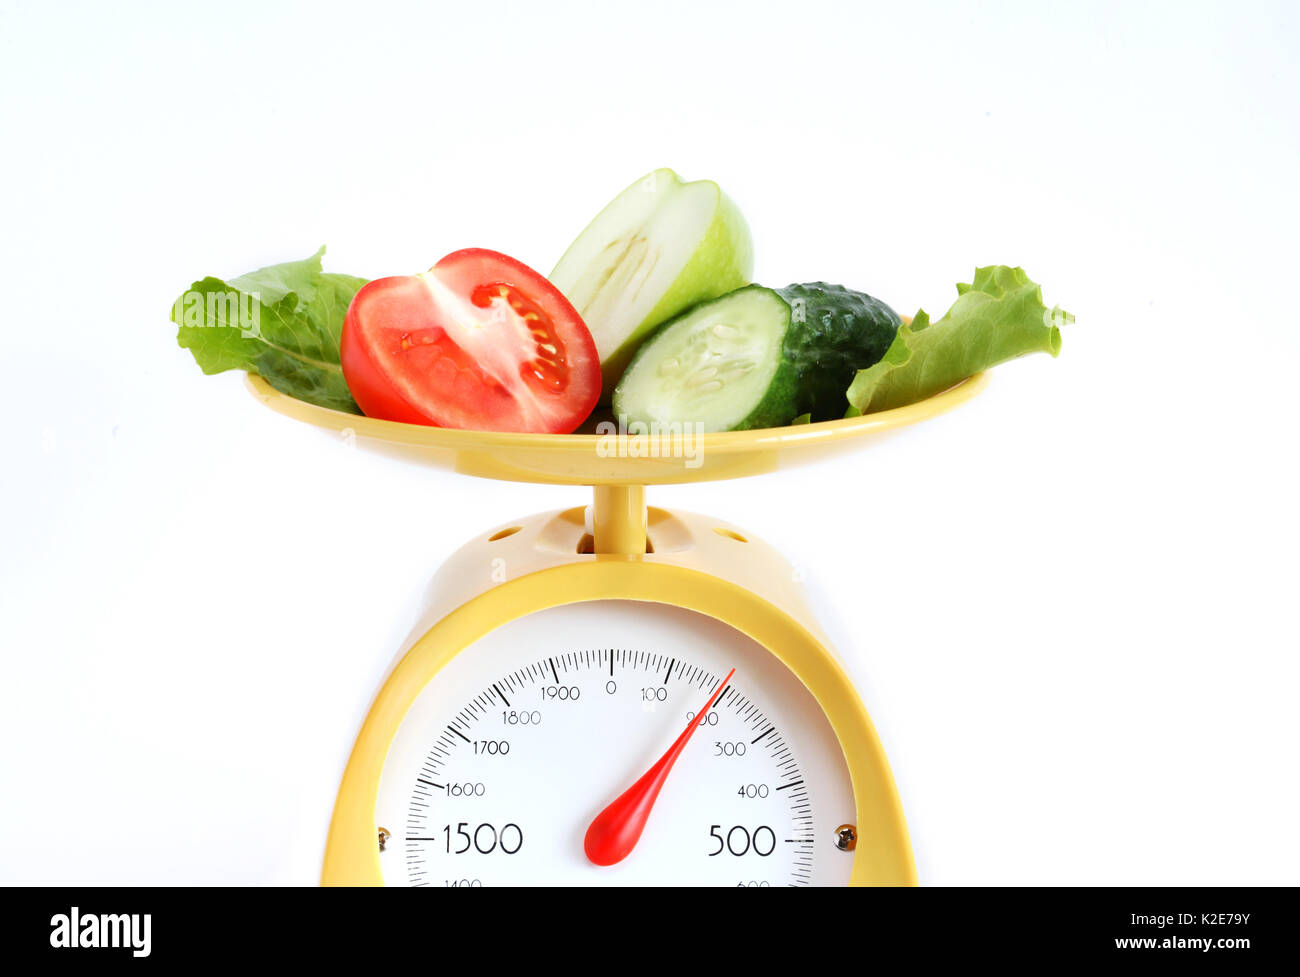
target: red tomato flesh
<point>480,341</point>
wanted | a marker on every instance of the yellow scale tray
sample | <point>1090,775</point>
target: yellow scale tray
<point>597,459</point>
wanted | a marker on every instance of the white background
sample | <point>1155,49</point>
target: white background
<point>1070,606</point>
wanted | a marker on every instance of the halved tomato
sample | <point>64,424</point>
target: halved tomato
<point>478,341</point>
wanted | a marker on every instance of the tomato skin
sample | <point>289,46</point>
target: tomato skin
<point>369,387</point>
<point>481,341</point>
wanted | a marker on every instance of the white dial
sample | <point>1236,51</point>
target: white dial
<point>508,755</point>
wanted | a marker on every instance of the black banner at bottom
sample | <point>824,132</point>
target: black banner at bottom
<point>1221,928</point>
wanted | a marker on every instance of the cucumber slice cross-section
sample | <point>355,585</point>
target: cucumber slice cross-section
<point>756,357</point>
<point>720,365</point>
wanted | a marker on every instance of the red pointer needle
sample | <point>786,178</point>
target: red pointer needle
<point>617,829</point>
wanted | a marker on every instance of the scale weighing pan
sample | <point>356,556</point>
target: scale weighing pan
<point>616,694</point>
<point>578,459</point>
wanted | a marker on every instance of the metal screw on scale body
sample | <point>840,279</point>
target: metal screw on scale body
<point>384,835</point>
<point>846,837</point>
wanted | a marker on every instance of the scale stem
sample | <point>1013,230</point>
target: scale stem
<point>618,519</point>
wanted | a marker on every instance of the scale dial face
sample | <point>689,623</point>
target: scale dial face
<point>514,747</point>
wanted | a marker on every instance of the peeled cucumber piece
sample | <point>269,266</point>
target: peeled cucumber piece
<point>757,357</point>
<point>660,247</point>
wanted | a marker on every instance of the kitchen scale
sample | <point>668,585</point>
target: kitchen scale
<point>615,694</point>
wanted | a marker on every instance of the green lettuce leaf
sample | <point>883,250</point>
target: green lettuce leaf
<point>282,323</point>
<point>1000,315</point>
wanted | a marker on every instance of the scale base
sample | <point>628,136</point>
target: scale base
<point>686,560</point>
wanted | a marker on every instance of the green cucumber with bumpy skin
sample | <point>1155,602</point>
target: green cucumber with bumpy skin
<point>756,357</point>
<point>836,333</point>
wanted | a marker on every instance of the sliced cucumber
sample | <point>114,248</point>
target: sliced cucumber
<point>720,365</point>
<point>660,247</point>
<point>757,357</point>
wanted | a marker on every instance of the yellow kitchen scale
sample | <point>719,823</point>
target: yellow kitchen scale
<point>616,694</point>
